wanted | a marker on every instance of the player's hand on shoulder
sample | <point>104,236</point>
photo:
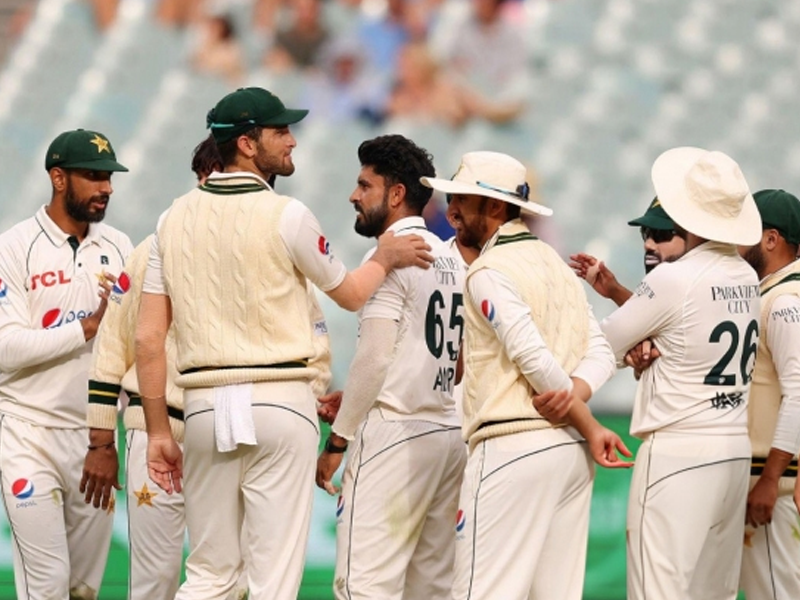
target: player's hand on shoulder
<point>328,406</point>
<point>400,251</point>
<point>553,405</point>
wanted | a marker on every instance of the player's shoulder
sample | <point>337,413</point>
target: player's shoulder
<point>19,237</point>
<point>115,238</point>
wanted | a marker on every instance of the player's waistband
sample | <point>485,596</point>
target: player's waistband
<point>294,364</point>
<point>136,400</point>
<point>757,467</point>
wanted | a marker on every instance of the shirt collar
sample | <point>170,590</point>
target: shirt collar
<point>508,228</point>
<point>58,236</point>
<point>223,177</point>
<point>407,223</point>
<point>785,270</point>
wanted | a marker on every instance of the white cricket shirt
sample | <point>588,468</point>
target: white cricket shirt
<point>428,305</point>
<point>702,311</point>
<point>46,287</point>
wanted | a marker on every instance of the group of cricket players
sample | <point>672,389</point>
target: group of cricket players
<point>465,423</point>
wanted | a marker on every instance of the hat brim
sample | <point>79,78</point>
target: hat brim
<point>105,164</point>
<point>652,223</point>
<point>449,186</point>
<point>668,175</point>
<point>288,117</point>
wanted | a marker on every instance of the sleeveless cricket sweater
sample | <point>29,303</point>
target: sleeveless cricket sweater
<point>498,400</point>
<point>765,389</point>
<point>113,367</point>
<point>240,307</point>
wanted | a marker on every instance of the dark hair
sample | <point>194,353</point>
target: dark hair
<point>229,149</point>
<point>399,160</point>
<point>206,158</point>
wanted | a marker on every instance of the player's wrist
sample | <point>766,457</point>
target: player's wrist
<point>107,446</point>
<point>335,444</point>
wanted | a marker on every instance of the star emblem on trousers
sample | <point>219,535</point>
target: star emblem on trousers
<point>145,496</point>
<point>102,144</point>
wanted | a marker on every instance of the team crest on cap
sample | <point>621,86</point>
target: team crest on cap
<point>487,308</point>
<point>52,318</point>
<point>22,488</point>
<point>461,521</point>
<point>339,506</point>
<point>324,245</point>
<point>101,143</point>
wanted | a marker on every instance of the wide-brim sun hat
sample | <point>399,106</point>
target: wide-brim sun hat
<point>493,175</point>
<point>706,194</point>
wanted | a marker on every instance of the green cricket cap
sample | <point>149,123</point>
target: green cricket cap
<point>82,149</point>
<point>780,210</point>
<point>655,217</point>
<point>246,108</point>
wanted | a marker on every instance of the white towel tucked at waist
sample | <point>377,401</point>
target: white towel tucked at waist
<point>233,416</point>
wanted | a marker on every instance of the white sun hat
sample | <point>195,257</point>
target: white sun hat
<point>490,174</point>
<point>706,194</point>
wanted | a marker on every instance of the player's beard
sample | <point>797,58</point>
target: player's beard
<point>373,220</point>
<point>81,211</point>
<point>270,165</point>
<point>755,256</point>
<point>472,234</point>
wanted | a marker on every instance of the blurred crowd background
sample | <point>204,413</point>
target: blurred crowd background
<point>587,93</point>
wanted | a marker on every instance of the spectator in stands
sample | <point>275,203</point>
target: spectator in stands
<point>422,92</point>
<point>219,51</point>
<point>340,90</point>
<point>298,45</point>
<point>487,54</point>
<point>105,12</point>
<point>178,13</point>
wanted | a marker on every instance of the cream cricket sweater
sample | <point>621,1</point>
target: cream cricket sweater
<point>240,307</point>
<point>114,353</point>
<point>765,390</point>
<point>498,400</point>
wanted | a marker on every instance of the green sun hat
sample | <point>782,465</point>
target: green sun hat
<point>780,210</point>
<point>82,149</point>
<point>655,217</point>
<point>246,108</point>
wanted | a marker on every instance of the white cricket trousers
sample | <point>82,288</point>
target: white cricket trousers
<point>686,516</point>
<point>771,556</point>
<point>270,484</point>
<point>156,527</point>
<point>394,533</point>
<point>523,519</point>
<point>60,543</point>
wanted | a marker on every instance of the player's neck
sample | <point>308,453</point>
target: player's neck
<point>58,214</point>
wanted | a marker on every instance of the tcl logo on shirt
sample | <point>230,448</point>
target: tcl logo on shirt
<point>49,279</point>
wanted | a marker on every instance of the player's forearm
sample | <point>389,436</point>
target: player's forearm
<point>358,286</point>
<point>151,361</point>
<point>22,348</point>
<point>102,437</point>
<point>619,294</point>
<point>367,374</point>
<point>777,462</point>
<point>581,418</point>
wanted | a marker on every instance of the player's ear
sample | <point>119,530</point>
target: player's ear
<point>58,179</point>
<point>397,194</point>
<point>771,238</point>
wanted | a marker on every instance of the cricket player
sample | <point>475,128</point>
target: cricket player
<point>394,536</point>
<point>687,500</point>
<point>661,244</point>
<point>156,523</point>
<point>53,267</point>
<point>522,525</point>
<point>229,265</point>
<point>771,554</point>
